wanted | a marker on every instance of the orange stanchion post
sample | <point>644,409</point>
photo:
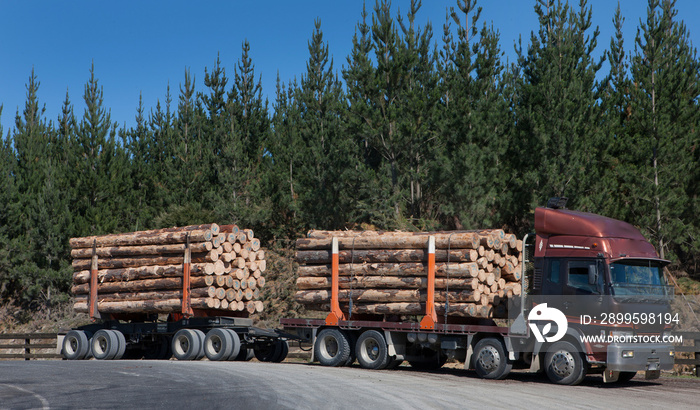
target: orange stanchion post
<point>336,314</point>
<point>430,318</point>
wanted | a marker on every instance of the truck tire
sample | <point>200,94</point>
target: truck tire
<point>75,345</point>
<point>282,352</point>
<point>201,337</point>
<point>236,344</point>
<point>122,344</point>
<point>186,344</point>
<point>104,344</point>
<point>219,344</point>
<point>352,342</point>
<point>332,348</point>
<point>371,350</point>
<point>160,349</point>
<point>490,359</point>
<point>268,352</point>
<point>244,355</point>
<point>564,364</point>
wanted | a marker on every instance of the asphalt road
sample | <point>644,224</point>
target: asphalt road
<point>254,385</point>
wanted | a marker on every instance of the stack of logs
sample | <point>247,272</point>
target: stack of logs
<point>142,272</point>
<point>386,272</point>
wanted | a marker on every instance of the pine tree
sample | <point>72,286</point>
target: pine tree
<point>98,171</point>
<point>664,120</point>
<point>474,167</point>
<point>612,195</point>
<point>557,112</point>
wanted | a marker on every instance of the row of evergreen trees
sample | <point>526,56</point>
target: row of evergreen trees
<point>415,130</point>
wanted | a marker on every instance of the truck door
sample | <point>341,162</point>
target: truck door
<point>576,282</point>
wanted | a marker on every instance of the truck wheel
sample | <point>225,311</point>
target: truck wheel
<point>186,345</point>
<point>104,344</point>
<point>160,349</point>
<point>564,364</point>
<point>372,351</point>
<point>267,352</point>
<point>490,359</point>
<point>122,344</point>
<point>236,344</point>
<point>201,337</point>
<point>244,355</point>
<point>332,348</point>
<point>218,345</point>
<point>75,345</point>
<point>352,342</point>
<point>282,351</point>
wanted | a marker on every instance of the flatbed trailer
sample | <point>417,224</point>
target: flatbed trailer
<point>216,337</point>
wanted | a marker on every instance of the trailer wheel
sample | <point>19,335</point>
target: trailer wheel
<point>122,344</point>
<point>244,355</point>
<point>282,351</point>
<point>352,342</point>
<point>490,359</point>
<point>75,345</point>
<point>186,344</point>
<point>218,344</point>
<point>236,344</point>
<point>267,352</point>
<point>372,351</point>
<point>160,349</point>
<point>564,364</point>
<point>104,344</point>
<point>332,348</point>
<point>201,337</point>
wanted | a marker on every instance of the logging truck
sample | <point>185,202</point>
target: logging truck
<point>591,299</point>
<point>183,292</point>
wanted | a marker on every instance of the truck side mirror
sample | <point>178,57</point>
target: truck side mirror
<point>592,275</point>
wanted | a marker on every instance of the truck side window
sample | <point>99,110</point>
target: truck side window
<point>578,276</point>
<point>554,267</point>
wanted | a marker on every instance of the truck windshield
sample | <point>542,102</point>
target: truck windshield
<point>638,278</point>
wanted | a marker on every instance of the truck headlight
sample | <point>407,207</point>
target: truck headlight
<point>628,354</point>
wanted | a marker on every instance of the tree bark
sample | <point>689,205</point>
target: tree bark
<point>454,270</point>
<point>384,282</point>
<point>385,255</point>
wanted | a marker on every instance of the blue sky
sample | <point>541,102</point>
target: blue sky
<point>142,46</point>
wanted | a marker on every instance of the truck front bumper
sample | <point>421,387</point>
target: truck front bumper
<point>633,357</point>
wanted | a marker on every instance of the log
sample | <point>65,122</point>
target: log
<point>386,282</point>
<point>149,295</point>
<point>139,250</point>
<point>454,270</point>
<point>144,306</point>
<point>385,255</point>
<point>405,308</point>
<point>154,237</point>
<point>392,240</point>
<point>139,285</point>
<point>141,272</point>
<point>384,295</point>
<point>114,263</point>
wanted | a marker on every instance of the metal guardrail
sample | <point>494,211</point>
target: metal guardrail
<point>28,346</point>
<point>695,349</point>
